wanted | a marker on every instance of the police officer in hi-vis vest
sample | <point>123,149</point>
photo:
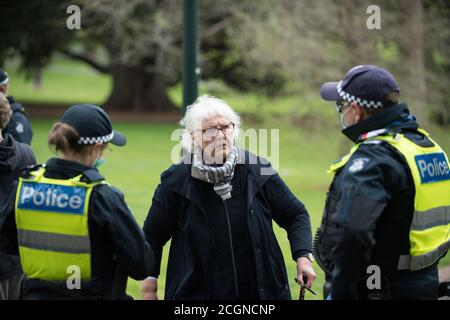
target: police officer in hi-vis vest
<point>74,233</point>
<point>386,221</point>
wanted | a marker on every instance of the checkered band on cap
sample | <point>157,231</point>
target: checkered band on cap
<point>362,102</point>
<point>95,140</point>
<point>5,81</point>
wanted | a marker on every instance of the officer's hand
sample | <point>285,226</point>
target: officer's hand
<point>149,288</point>
<point>305,271</point>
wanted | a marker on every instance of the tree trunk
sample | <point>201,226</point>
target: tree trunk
<point>412,48</point>
<point>136,90</point>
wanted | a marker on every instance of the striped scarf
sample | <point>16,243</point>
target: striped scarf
<point>220,176</point>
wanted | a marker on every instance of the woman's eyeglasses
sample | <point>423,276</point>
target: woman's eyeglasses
<point>214,131</point>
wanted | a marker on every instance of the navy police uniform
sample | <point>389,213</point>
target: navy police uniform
<point>386,215</point>
<point>368,214</point>
<point>64,215</point>
<point>19,126</point>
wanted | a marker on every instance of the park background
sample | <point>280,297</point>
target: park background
<point>266,58</point>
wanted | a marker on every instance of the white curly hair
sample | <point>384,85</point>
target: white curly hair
<point>203,109</point>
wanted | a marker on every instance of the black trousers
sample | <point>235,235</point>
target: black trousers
<point>400,285</point>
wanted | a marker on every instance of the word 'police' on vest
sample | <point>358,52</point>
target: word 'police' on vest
<point>433,167</point>
<point>52,197</point>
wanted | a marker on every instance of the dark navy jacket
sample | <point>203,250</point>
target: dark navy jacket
<point>14,156</point>
<point>19,125</point>
<point>368,215</point>
<point>178,213</point>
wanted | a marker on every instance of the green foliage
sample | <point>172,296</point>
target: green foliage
<point>253,46</point>
<point>64,82</point>
<point>223,60</point>
<point>388,51</point>
<point>33,30</point>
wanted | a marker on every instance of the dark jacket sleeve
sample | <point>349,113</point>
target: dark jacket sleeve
<point>30,158</point>
<point>290,214</point>
<point>8,230</point>
<point>363,196</point>
<point>133,252</point>
<point>160,223</point>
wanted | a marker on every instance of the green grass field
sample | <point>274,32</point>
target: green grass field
<point>309,142</point>
<point>135,170</point>
<point>63,82</point>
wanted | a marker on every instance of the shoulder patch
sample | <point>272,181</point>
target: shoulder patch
<point>358,164</point>
<point>19,127</point>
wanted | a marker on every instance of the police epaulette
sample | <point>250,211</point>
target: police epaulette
<point>92,175</point>
<point>26,172</point>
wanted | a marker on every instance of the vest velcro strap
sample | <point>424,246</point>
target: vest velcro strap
<point>414,263</point>
<point>54,242</point>
<point>431,218</point>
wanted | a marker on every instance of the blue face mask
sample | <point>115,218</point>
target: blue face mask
<point>343,125</point>
<point>99,162</point>
<point>342,115</point>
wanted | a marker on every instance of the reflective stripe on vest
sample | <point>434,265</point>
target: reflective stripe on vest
<point>54,242</point>
<point>430,229</point>
<point>52,226</point>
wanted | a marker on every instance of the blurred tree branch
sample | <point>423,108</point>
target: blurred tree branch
<point>86,59</point>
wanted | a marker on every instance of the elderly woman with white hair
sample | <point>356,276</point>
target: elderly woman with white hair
<point>217,207</point>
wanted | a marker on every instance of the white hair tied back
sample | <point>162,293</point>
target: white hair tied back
<point>203,109</point>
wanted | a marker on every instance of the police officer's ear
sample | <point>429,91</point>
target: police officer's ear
<point>98,149</point>
<point>358,111</point>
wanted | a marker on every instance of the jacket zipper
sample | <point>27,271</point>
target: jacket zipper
<point>231,249</point>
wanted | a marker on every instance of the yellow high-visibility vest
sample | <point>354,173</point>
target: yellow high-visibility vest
<point>429,235</point>
<point>52,226</point>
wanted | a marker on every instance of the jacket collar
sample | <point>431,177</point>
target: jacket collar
<point>397,116</point>
<point>69,169</point>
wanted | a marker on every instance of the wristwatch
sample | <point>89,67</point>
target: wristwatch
<point>309,256</point>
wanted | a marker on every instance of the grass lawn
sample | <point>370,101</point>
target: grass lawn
<point>63,82</point>
<point>67,82</point>
<point>135,169</point>
<point>308,131</point>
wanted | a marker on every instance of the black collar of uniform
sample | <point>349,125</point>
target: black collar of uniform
<point>15,106</point>
<point>399,112</point>
<point>71,169</point>
<point>10,99</point>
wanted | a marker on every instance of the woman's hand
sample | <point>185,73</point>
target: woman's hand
<point>149,289</point>
<point>305,271</point>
